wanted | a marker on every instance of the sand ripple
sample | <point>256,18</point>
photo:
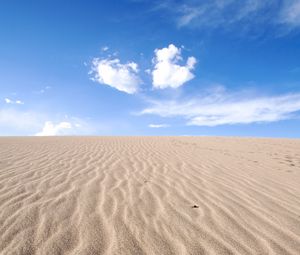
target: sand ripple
<point>149,195</point>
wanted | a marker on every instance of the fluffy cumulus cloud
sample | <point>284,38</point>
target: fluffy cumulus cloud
<point>112,72</point>
<point>221,109</point>
<point>51,129</point>
<point>167,72</point>
<point>158,125</point>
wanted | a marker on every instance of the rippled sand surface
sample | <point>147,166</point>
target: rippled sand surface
<point>149,195</point>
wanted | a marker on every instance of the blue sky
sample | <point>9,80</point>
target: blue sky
<point>141,67</point>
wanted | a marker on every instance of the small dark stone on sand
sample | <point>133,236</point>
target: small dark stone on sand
<point>195,206</point>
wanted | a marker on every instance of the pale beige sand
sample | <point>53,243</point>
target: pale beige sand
<point>135,195</point>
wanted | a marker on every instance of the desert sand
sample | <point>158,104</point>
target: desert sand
<point>149,195</point>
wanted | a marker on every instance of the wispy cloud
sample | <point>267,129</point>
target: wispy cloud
<point>290,13</point>
<point>222,109</point>
<point>248,14</point>
<point>167,72</point>
<point>113,73</point>
<point>158,125</point>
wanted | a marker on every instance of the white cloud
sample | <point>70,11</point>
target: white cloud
<point>67,126</point>
<point>221,109</point>
<point>167,72</point>
<point>9,101</point>
<point>51,129</point>
<point>158,125</point>
<point>111,72</point>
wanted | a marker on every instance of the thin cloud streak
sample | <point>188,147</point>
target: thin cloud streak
<point>158,125</point>
<point>215,110</point>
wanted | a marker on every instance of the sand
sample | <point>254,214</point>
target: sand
<point>149,195</point>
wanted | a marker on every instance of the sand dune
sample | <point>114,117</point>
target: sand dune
<point>149,195</point>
